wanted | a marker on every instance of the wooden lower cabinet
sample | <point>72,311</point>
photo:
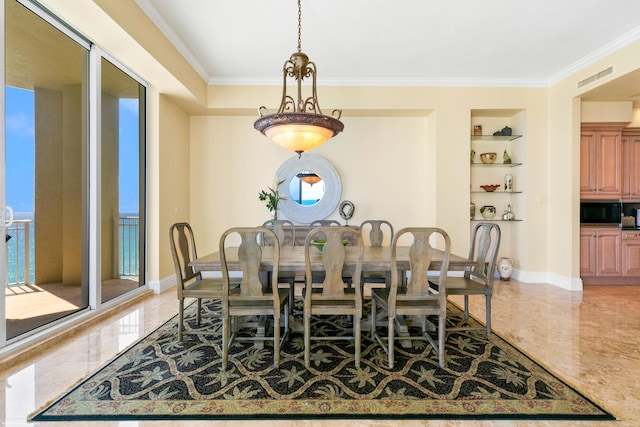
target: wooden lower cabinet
<point>631,253</point>
<point>600,251</point>
<point>609,256</point>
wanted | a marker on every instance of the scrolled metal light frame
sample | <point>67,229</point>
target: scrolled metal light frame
<point>299,124</point>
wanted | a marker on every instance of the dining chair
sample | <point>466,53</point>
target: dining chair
<point>285,231</point>
<point>483,249</point>
<point>324,223</point>
<point>377,232</point>
<point>253,297</point>
<point>332,298</point>
<point>318,276</point>
<point>417,298</point>
<point>191,284</point>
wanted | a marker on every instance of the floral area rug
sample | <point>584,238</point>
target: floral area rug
<point>160,378</point>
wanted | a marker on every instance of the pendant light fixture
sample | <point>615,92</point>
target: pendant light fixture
<point>299,124</point>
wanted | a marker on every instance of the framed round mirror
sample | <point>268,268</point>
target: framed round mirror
<point>312,187</point>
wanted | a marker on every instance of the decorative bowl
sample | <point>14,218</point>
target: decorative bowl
<point>488,158</point>
<point>488,212</point>
<point>319,244</point>
<point>490,188</point>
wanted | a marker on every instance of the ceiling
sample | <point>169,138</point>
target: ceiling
<point>409,42</point>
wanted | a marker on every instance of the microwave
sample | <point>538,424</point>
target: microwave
<point>600,212</point>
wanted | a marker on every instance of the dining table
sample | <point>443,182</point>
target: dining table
<point>375,258</point>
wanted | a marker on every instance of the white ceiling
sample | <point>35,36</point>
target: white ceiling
<point>406,42</point>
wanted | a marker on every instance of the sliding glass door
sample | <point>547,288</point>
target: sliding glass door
<point>45,171</point>
<point>49,174</point>
<point>122,181</point>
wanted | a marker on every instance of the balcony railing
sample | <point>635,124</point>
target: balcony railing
<point>20,268</point>
<point>127,249</point>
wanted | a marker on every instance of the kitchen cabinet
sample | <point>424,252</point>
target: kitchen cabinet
<point>600,251</point>
<point>631,253</point>
<point>631,163</point>
<point>601,161</point>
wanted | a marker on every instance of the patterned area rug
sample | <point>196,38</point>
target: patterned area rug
<point>160,378</point>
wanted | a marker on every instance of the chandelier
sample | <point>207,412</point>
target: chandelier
<point>299,124</point>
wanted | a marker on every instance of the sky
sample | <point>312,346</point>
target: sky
<point>20,151</point>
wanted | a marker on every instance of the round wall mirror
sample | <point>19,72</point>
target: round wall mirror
<point>313,188</point>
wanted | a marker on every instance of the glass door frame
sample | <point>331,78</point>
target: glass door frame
<point>93,124</point>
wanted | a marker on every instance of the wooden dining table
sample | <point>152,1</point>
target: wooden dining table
<point>376,258</point>
<point>292,259</point>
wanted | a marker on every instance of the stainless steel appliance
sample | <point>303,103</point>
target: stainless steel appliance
<point>600,212</point>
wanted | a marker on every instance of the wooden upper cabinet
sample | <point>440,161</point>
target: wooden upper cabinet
<point>601,171</point>
<point>631,163</point>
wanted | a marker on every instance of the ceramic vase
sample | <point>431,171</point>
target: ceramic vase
<point>505,268</point>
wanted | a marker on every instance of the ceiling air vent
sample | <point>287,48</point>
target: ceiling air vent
<point>595,77</point>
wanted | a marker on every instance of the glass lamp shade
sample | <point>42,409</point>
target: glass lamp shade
<point>298,138</point>
<point>299,132</point>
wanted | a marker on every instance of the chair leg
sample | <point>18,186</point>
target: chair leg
<point>276,337</point>
<point>180,319</point>
<point>488,315</point>
<point>358,337</point>
<point>307,340</point>
<point>199,313</point>
<point>225,342</point>
<point>441,338</point>
<point>466,307</point>
<point>390,340</point>
<point>373,318</point>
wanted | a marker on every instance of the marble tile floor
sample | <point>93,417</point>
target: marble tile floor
<point>590,339</point>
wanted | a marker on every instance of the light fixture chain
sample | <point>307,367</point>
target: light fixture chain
<point>299,27</point>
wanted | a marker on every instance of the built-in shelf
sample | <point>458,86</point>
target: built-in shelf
<point>496,192</point>
<point>493,165</point>
<point>496,220</point>
<point>494,137</point>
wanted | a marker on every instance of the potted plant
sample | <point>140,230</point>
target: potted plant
<point>272,197</point>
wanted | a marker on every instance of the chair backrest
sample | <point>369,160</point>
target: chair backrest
<point>284,229</point>
<point>251,255</point>
<point>183,250</point>
<point>421,254</point>
<point>333,259</point>
<point>378,231</point>
<point>324,223</point>
<point>485,243</point>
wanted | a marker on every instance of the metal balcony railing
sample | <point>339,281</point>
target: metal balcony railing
<point>20,268</point>
<point>19,260</point>
<point>127,249</point>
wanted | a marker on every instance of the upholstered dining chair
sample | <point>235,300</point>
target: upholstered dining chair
<point>417,298</point>
<point>252,298</point>
<point>333,298</point>
<point>483,249</point>
<point>191,284</point>
<point>377,232</point>
<point>285,231</point>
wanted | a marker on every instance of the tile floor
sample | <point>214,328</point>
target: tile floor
<point>591,339</point>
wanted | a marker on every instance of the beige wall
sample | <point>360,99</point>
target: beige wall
<point>403,156</point>
<point>174,176</point>
<point>414,140</point>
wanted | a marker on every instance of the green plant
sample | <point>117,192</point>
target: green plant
<point>272,197</point>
